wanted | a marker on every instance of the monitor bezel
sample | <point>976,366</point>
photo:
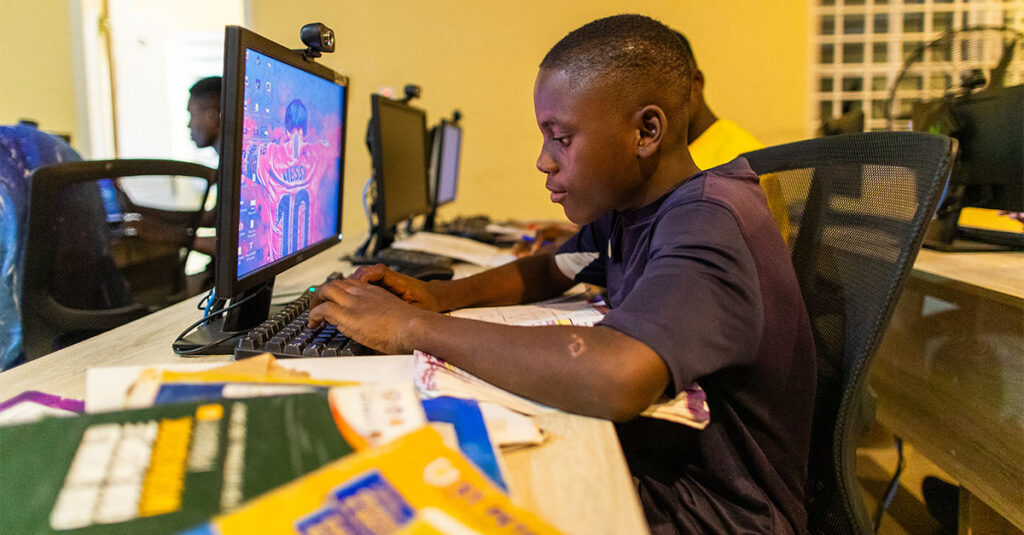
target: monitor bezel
<point>439,163</point>
<point>386,220</point>
<point>237,39</point>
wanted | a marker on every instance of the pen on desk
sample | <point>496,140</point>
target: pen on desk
<point>530,239</point>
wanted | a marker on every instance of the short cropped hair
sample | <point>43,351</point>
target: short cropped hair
<point>637,54</point>
<point>689,49</point>
<point>295,116</point>
<point>207,90</point>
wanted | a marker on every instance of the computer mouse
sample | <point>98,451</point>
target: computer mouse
<point>429,272</point>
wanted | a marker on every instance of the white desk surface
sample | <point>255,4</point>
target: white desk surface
<point>577,480</point>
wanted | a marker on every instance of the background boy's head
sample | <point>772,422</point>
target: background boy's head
<point>204,112</point>
<point>611,100</point>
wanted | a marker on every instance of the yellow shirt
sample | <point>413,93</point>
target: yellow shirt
<point>721,143</point>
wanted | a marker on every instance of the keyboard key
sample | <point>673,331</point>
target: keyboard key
<point>274,345</point>
<point>247,342</point>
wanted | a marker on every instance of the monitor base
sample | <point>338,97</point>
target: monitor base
<point>209,339</point>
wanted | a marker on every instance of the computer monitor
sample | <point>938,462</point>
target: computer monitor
<point>283,121</point>
<point>851,122</point>
<point>445,164</point>
<point>989,172</point>
<point>398,143</point>
<point>446,148</point>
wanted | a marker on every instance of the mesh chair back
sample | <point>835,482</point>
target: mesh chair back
<point>76,283</point>
<point>858,206</point>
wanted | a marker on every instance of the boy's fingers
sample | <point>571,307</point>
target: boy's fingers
<point>371,274</point>
<point>323,312</point>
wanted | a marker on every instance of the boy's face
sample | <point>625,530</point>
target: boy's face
<point>203,122</point>
<point>590,148</point>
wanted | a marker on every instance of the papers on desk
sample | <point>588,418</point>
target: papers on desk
<point>435,377</point>
<point>455,247</point>
<point>578,306</point>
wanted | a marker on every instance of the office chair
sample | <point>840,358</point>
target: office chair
<point>87,269</point>
<point>858,206</point>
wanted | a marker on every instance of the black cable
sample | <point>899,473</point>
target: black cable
<point>204,319</point>
<point>894,484</point>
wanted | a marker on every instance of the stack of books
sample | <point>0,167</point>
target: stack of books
<point>254,447</point>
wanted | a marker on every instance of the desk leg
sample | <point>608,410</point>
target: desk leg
<point>976,518</point>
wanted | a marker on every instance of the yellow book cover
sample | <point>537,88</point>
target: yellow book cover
<point>411,485</point>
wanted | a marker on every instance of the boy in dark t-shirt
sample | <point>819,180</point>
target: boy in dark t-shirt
<point>700,285</point>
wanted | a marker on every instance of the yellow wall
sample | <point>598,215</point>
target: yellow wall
<point>36,75</point>
<point>481,57</point>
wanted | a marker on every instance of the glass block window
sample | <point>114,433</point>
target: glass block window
<point>860,45</point>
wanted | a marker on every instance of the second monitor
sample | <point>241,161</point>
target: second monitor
<point>398,142</point>
<point>447,148</point>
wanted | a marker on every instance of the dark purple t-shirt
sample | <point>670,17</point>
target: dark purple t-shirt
<point>703,277</point>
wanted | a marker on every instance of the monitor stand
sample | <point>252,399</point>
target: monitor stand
<point>943,234</point>
<point>220,335</point>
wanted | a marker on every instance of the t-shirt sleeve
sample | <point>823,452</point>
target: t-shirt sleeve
<point>698,302</point>
<point>583,257</point>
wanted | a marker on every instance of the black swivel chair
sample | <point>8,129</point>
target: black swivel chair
<point>858,206</point>
<point>79,274</point>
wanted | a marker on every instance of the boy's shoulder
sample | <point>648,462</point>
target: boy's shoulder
<point>724,184</point>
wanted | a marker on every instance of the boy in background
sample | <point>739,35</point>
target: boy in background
<point>700,285</point>
<point>204,112</point>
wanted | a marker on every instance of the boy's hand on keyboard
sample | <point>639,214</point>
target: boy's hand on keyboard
<point>367,313</point>
<point>408,289</point>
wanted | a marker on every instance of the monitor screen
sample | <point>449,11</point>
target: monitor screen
<point>283,130</point>
<point>446,162</point>
<point>398,136</point>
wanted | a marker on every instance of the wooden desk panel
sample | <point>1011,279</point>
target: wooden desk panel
<point>577,480</point>
<point>949,375</point>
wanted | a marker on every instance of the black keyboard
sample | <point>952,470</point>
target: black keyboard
<point>286,335</point>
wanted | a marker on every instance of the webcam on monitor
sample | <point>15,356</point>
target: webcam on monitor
<point>318,37</point>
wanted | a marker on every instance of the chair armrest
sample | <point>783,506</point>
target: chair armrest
<point>83,319</point>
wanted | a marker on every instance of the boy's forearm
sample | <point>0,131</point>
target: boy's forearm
<point>594,371</point>
<point>523,281</point>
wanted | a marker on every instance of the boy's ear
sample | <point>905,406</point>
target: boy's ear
<point>652,125</point>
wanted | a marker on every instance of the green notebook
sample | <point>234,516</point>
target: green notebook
<point>162,469</point>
